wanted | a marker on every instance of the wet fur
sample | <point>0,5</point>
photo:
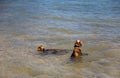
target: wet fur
<point>42,50</point>
<point>76,51</point>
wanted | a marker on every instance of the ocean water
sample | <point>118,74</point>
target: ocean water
<point>26,24</point>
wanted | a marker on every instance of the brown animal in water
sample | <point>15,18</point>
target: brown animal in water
<point>41,49</point>
<point>76,51</point>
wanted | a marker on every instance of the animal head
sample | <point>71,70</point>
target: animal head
<point>78,43</point>
<point>41,48</point>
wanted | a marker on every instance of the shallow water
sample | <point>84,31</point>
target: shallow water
<point>57,24</point>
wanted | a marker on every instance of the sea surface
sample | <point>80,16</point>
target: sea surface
<point>56,24</point>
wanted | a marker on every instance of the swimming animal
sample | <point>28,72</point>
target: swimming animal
<point>76,51</point>
<point>41,49</point>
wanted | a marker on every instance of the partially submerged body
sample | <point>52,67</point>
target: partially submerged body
<point>76,51</point>
<point>41,49</point>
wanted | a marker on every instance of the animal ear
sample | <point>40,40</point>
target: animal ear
<point>81,42</point>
